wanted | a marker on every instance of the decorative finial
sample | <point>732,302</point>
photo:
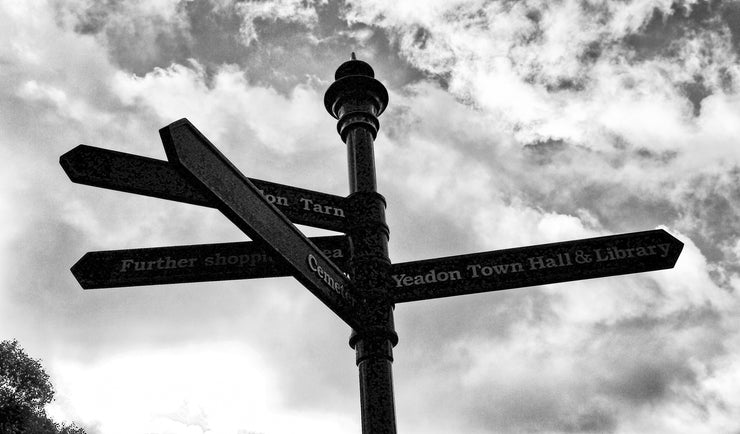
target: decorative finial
<point>355,81</point>
<point>354,67</point>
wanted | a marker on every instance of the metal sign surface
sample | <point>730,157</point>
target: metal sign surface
<point>534,265</point>
<point>156,178</point>
<point>242,203</point>
<point>193,263</point>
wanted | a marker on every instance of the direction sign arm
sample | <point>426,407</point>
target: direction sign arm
<point>193,263</point>
<point>130,173</point>
<point>240,200</point>
<point>534,265</point>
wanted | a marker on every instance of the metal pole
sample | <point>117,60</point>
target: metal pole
<point>356,99</point>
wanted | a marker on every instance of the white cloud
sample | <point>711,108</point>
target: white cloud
<point>226,104</point>
<point>215,388</point>
<point>501,59</point>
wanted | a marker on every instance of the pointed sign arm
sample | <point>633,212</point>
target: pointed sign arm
<point>240,200</point>
<point>156,178</point>
<point>192,263</point>
<point>534,265</point>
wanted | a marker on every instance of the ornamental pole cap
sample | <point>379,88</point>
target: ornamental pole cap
<point>354,67</point>
<point>355,82</point>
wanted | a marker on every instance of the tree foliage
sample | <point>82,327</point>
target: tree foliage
<point>24,391</point>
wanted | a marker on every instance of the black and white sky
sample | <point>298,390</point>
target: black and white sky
<point>510,123</point>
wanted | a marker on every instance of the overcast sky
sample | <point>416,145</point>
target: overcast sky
<point>510,123</point>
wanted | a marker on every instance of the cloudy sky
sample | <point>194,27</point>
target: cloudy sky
<point>510,123</point>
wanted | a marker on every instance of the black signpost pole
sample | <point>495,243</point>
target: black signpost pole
<point>356,99</point>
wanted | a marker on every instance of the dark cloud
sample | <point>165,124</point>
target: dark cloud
<point>36,285</point>
<point>542,152</point>
<point>438,325</point>
<point>616,208</point>
<point>637,362</point>
<point>696,91</point>
<point>559,164</point>
<point>731,15</point>
<point>666,32</point>
<point>593,420</point>
<point>710,207</point>
<point>640,377</point>
<point>539,407</point>
<point>659,35</point>
<point>285,52</point>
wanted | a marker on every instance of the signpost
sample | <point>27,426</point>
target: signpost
<point>351,274</point>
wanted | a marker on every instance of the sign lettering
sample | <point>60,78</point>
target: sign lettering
<point>534,265</point>
<point>156,178</point>
<point>331,281</point>
<point>194,263</point>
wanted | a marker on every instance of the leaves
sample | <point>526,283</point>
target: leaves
<point>24,391</point>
